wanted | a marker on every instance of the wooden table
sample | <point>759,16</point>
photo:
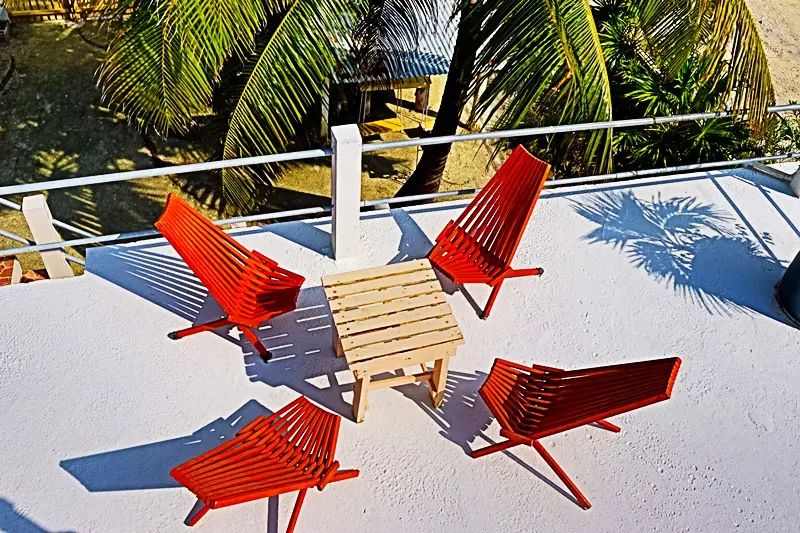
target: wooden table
<point>389,318</point>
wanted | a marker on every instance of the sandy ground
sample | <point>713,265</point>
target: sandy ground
<point>779,22</point>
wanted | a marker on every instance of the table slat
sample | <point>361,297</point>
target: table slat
<point>412,343</point>
<point>394,293</point>
<point>403,331</point>
<point>405,279</point>
<point>381,309</point>
<point>393,319</point>
<point>377,272</point>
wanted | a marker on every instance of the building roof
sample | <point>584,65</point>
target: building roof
<point>430,57</point>
<point>98,404</point>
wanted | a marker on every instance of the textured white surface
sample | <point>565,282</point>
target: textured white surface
<point>97,404</point>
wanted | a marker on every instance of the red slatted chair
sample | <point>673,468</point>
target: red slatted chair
<point>478,247</point>
<point>531,403</point>
<point>291,450</point>
<point>249,286</point>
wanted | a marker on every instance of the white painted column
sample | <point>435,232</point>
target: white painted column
<point>40,222</point>
<point>795,184</point>
<point>16,271</point>
<point>346,191</point>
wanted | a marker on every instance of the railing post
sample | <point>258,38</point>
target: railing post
<point>346,191</point>
<point>795,184</point>
<point>40,222</point>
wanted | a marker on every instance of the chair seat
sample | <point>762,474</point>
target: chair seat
<point>291,450</point>
<point>462,259</point>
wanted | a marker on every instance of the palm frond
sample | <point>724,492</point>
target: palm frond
<point>726,35</point>
<point>389,26</point>
<point>544,56</point>
<point>153,72</point>
<point>162,64</point>
<point>280,83</point>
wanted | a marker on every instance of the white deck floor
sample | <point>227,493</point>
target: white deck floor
<point>97,404</point>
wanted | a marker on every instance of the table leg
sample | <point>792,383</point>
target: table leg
<point>439,380</point>
<point>337,342</point>
<point>360,399</point>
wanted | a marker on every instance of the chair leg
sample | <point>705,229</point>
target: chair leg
<point>208,326</point>
<point>490,303</point>
<point>198,515</point>
<point>296,511</point>
<point>608,425</point>
<point>341,475</point>
<point>582,501</point>
<point>499,447</point>
<point>525,272</point>
<point>251,336</point>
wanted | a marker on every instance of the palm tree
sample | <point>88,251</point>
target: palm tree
<point>262,64</point>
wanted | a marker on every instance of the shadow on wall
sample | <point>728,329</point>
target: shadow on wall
<point>698,250</point>
<point>148,466</point>
<point>12,521</point>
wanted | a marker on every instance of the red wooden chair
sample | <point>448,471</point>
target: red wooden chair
<point>478,246</point>
<point>250,287</point>
<point>531,403</point>
<point>291,450</point>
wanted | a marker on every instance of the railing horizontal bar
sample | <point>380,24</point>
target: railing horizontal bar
<point>280,214</point>
<point>550,184</point>
<point>14,237</point>
<point>8,203</point>
<point>564,128</point>
<point>115,237</point>
<point>57,223</point>
<point>371,147</point>
<point>163,171</point>
<point>73,229</point>
<point>23,240</point>
<point>417,197</point>
<point>666,170</point>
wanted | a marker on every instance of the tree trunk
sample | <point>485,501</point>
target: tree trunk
<point>427,177</point>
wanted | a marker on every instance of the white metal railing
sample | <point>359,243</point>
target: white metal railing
<point>349,182</point>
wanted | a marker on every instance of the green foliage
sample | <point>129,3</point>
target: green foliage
<point>691,91</point>
<point>259,66</point>
<point>546,65</point>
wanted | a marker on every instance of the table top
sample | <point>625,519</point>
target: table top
<point>384,314</point>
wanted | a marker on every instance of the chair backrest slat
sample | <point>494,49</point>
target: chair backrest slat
<point>246,284</point>
<point>215,258</point>
<point>534,402</point>
<point>498,215</point>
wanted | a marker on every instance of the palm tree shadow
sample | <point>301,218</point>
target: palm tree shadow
<point>694,248</point>
<point>463,417</point>
<point>12,521</point>
<point>303,358</point>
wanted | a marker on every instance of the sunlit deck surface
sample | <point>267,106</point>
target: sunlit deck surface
<point>98,404</point>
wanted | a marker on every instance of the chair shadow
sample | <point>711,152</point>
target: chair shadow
<point>303,233</point>
<point>463,417</point>
<point>147,466</point>
<point>415,244</point>
<point>703,253</point>
<point>303,359</point>
<point>12,521</point>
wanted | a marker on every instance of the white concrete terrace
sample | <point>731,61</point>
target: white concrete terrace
<point>98,404</point>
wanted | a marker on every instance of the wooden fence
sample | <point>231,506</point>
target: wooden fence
<point>30,10</point>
